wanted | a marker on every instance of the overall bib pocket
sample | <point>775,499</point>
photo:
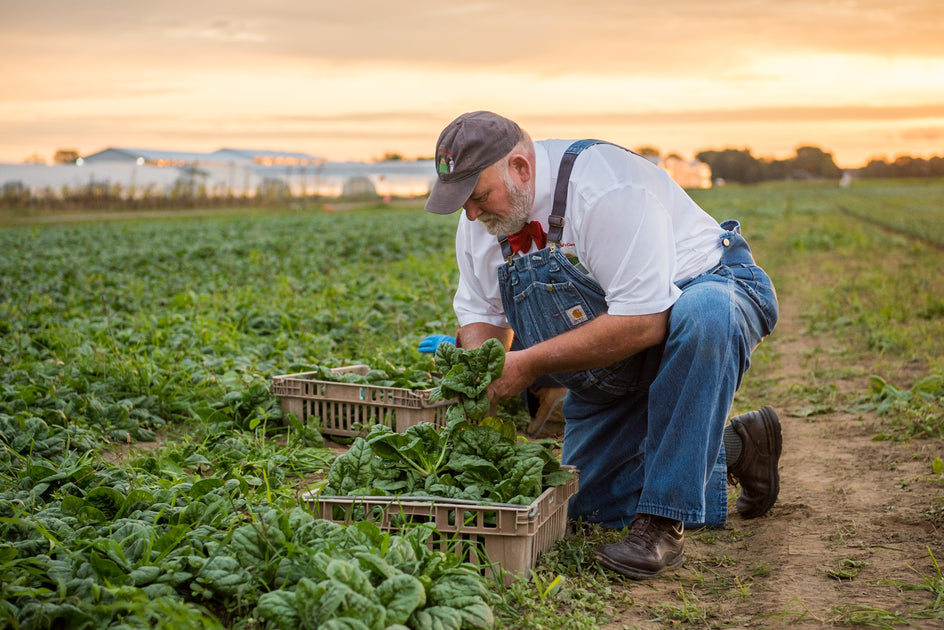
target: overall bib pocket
<point>545,310</point>
<point>547,296</point>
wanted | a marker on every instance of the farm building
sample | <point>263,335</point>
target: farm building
<point>239,172</point>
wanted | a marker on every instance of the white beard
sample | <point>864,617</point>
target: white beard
<point>521,201</point>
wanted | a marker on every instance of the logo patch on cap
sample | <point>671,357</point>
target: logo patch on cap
<point>445,163</point>
<point>576,315</point>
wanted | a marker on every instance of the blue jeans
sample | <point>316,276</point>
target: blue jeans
<point>645,433</point>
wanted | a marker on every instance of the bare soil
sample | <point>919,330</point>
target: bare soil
<point>852,520</point>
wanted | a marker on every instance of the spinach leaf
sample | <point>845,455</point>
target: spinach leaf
<point>280,608</point>
<point>400,595</point>
<point>351,471</point>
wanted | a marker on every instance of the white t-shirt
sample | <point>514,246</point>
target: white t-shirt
<point>631,226</point>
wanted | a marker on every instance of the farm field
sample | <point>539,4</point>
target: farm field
<point>148,479</point>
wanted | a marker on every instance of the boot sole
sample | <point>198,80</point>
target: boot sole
<point>636,573</point>
<point>775,447</point>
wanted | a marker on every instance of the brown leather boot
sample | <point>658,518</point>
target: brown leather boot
<point>653,544</point>
<point>756,469</point>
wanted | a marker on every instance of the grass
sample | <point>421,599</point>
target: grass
<point>929,605</point>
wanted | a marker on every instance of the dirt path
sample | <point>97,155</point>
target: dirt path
<point>848,521</point>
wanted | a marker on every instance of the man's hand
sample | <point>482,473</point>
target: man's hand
<point>515,378</point>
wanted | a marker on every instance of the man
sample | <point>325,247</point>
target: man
<point>635,300</point>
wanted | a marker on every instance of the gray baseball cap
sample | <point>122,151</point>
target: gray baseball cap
<point>466,147</point>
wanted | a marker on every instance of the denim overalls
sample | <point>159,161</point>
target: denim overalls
<point>645,432</point>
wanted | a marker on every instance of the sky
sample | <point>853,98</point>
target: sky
<point>356,79</point>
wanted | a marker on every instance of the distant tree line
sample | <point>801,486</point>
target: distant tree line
<point>738,165</point>
<point>904,166</point>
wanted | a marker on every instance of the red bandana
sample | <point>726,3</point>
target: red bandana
<point>521,240</point>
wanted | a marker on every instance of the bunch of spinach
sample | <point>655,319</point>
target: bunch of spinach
<point>486,462</point>
<point>467,373</point>
<point>408,377</point>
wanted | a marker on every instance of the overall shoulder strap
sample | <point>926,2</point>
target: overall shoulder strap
<point>555,223</point>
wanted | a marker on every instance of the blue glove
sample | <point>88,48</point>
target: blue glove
<point>431,342</point>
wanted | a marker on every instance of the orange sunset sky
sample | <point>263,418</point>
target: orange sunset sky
<point>356,79</point>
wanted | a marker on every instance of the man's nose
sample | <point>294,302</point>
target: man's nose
<point>472,212</point>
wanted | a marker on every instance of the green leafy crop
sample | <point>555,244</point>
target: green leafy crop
<point>466,375</point>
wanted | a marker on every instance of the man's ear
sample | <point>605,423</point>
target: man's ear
<point>518,163</point>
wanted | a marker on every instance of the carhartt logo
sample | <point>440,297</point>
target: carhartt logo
<point>444,163</point>
<point>576,315</point>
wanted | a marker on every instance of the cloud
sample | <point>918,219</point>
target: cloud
<point>698,116</point>
<point>759,114</point>
<point>545,37</point>
<point>219,30</point>
<point>923,134</point>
